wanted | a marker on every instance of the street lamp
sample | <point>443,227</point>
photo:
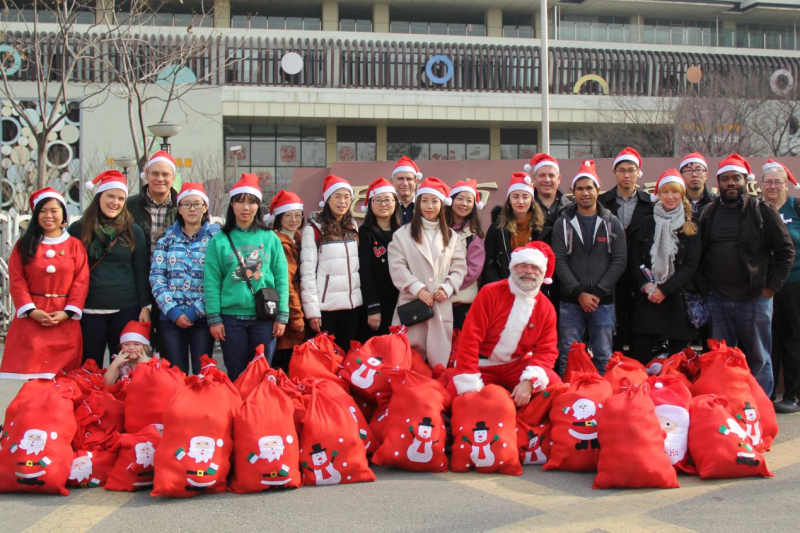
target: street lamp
<point>125,162</point>
<point>235,151</point>
<point>165,130</point>
<point>544,80</point>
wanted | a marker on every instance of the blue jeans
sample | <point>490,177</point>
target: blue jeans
<point>178,342</point>
<point>241,339</point>
<point>747,325</point>
<point>574,323</point>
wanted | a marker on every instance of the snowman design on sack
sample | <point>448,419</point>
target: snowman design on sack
<point>421,449</point>
<point>364,376</point>
<point>481,453</point>
<point>324,471</point>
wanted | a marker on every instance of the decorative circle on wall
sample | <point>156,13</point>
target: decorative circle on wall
<point>590,77</point>
<point>20,155</point>
<point>70,134</point>
<point>292,63</point>
<point>4,51</point>
<point>17,130</point>
<point>781,82</point>
<point>61,156</point>
<point>5,163</point>
<point>176,75</point>
<point>6,111</point>
<point>448,70</point>
<point>694,74</point>
<point>6,149</point>
<point>33,115</point>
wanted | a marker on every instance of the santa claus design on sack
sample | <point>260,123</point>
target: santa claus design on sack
<point>198,461</point>
<point>364,376</point>
<point>421,449</point>
<point>746,456</point>
<point>533,453</point>
<point>674,422</point>
<point>481,453</point>
<point>270,453</point>
<point>752,424</point>
<point>81,471</point>
<point>585,426</point>
<point>324,471</point>
<point>143,467</point>
<point>33,462</point>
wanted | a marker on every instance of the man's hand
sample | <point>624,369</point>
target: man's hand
<point>657,297</point>
<point>278,328</point>
<point>588,302</point>
<point>374,321</point>
<point>522,393</point>
<point>218,332</point>
<point>144,314</point>
<point>767,293</point>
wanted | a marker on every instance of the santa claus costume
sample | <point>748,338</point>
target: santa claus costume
<point>55,278</point>
<point>510,333</point>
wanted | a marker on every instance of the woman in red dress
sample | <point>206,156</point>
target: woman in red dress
<point>49,279</point>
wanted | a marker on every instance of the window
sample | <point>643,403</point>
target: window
<point>518,144</point>
<point>437,28</point>
<point>359,25</point>
<point>261,22</point>
<point>355,143</point>
<point>437,144</point>
<point>570,144</point>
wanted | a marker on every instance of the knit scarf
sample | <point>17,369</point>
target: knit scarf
<point>523,233</point>
<point>104,235</point>
<point>665,241</point>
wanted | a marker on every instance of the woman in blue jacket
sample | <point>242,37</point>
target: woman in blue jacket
<point>176,276</point>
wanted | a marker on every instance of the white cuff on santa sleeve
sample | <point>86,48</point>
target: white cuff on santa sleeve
<point>77,312</point>
<point>22,312</point>
<point>465,383</point>
<point>537,375</point>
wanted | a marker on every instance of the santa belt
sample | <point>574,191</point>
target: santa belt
<point>200,473</point>
<point>48,295</point>
<point>28,463</point>
<point>146,474</point>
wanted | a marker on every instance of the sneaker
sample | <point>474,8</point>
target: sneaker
<point>787,405</point>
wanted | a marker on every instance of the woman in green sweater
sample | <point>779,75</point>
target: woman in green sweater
<point>259,258</point>
<point>119,290</point>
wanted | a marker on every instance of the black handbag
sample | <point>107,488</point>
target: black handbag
<point>414,312</point>
<point>266,299</point>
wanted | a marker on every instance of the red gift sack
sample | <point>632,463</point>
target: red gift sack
<point>266,448</point>
<point>718,443</point>
<point>533,426</point>
<point>254,374</point>
<point>99,416</point>
<point>365,371</point>
<point>134,468</point>
<point>414,434</point>
<point>318,358</point>
<point>331,451</point>
<point>331,392</point>
<point>90,469</point>
<point>88,377</point>
<point>672,400</point>
<point>620,367</point>
<point>631,446</point>
<point>484,432</point>
<point>574,419</point>
<point>578,360</point>
<point>35,387</point>
<point>194,454</point>
<point>676,366</point>
<point>152,386</point>
<point>724,372</point>
<point>35,447</point>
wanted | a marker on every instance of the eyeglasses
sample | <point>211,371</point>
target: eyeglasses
<point>383,201</point>
<point>690,171</point>
<point>194,206</point>
<point>626,171</point>
<point>293,216</point>
<point>773,183</point>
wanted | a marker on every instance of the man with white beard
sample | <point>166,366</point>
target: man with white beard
<point>33,463</point>
<point>270,452</point>
<point>509,337</point>
<point>200,471</point>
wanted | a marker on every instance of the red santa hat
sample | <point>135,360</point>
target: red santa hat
<point>694,157</point>
<point>470,186</point>
<point>406,164</point>
<point>160,156</point>
<point>669,176</point>
<point>520,181</point>
<point>379,186</point>
<point>436,187</point>
<point>536,253</point>
<point>539,161</point>
<point>671,398</point>
<point>247,184</point>
<point>136,332</point>
<point>331,184</point>
<point>735,163</point>
<point>772,164</point>
<point>45,194</point>
<point>110,179</point>
<point>281,203</point>
<point>587,170</point>
<point>629,154</point>
<point>188,189</point>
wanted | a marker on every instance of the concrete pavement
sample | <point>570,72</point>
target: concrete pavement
<point>404,501</point>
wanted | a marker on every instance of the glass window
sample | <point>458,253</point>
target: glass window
<point>347,25</point>
<point>439,152</point>
<point>313,154</point>
<point>294,23</point>
<point>397,26</point>
<point>288,153</point>
<point>509,151</point>
<point>395,151</point>
<point>276,23</point>
<point>345,151</point>
<point>477,151</point>
<point>364,26</point>
<point>262,153</point>
<point>312,24</point>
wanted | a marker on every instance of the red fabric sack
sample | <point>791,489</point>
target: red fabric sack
<point>574,419</point>
<point>35,387</point>
<point>409,378</point>
<point>194,454</point>
<point>254,374</point>
<point>718,443</point>
<point>35,447</point>
<point>331,392</point>
<point>672,400</point>
<point>300,393</point>
<point>578,361</point>
<point>152,386</point>
<point>676,366</point>
<point>99,416</point>
<point>724,372</point>
<point>318,358</point>
<point>365,370</point>
<point>88,377</point>
<point>90,469</point>
<point>415,433</point>
<point>620,367</point>
<point>331,451</point>
<point>134,468</point>
<point>533,426</point>
<point>484,432</point>
<point>631,445</point>
<point>266,448</point>
<point>420,365</point>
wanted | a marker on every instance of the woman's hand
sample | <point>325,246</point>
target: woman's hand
<point>374,321</point>
<point>299,327</point>
<point>657,297</point>
<point>144,314</point>
<point>183,322</point>
<point>315,324</point>
<point>57,317</point>
<point>278,328</point>
<point>218,332</point>
<point>39,316</point>
<point>440,295</point>
<point>426,297</point>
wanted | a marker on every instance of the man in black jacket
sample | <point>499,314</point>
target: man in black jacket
<point>694,171</point>
<point>747,256</point>
<point>630,205</point>
<point>589,245</point>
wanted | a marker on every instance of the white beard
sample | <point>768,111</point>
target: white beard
<point>144,459</point>
<point>31,447</point>
<point>201,456</point>
<point>79,473</point>
<point>271,454</point>
<point>675,445</point>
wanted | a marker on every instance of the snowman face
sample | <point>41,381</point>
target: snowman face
<point>750,415</point>
<point>533,442</point>
<point>425,431</point>
<point>481,436</point>
<point>583,408</point>
<point>373,361</point>
<point>319,458</point>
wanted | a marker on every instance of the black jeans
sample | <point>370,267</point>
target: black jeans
<point>343,325</point>
<point>786,339</point>
<point>177,342</point>
<point>103,331</point>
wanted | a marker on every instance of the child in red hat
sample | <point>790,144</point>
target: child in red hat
<point>134,349</point>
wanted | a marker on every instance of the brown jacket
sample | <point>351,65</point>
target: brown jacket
<point>291,248</point>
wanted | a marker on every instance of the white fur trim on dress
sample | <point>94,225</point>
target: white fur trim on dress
<point>529,256</point>
<point>515,324</point>
<point>465,383</point>
<point>78,312</point>
<point>537,376</point>
<point>23,311</point>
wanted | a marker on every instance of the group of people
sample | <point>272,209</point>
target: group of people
<point>622,271</point>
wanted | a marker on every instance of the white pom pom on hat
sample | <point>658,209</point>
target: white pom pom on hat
<point>527,167</point>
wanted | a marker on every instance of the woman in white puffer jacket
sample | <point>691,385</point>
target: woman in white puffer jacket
<point>330,287</point>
